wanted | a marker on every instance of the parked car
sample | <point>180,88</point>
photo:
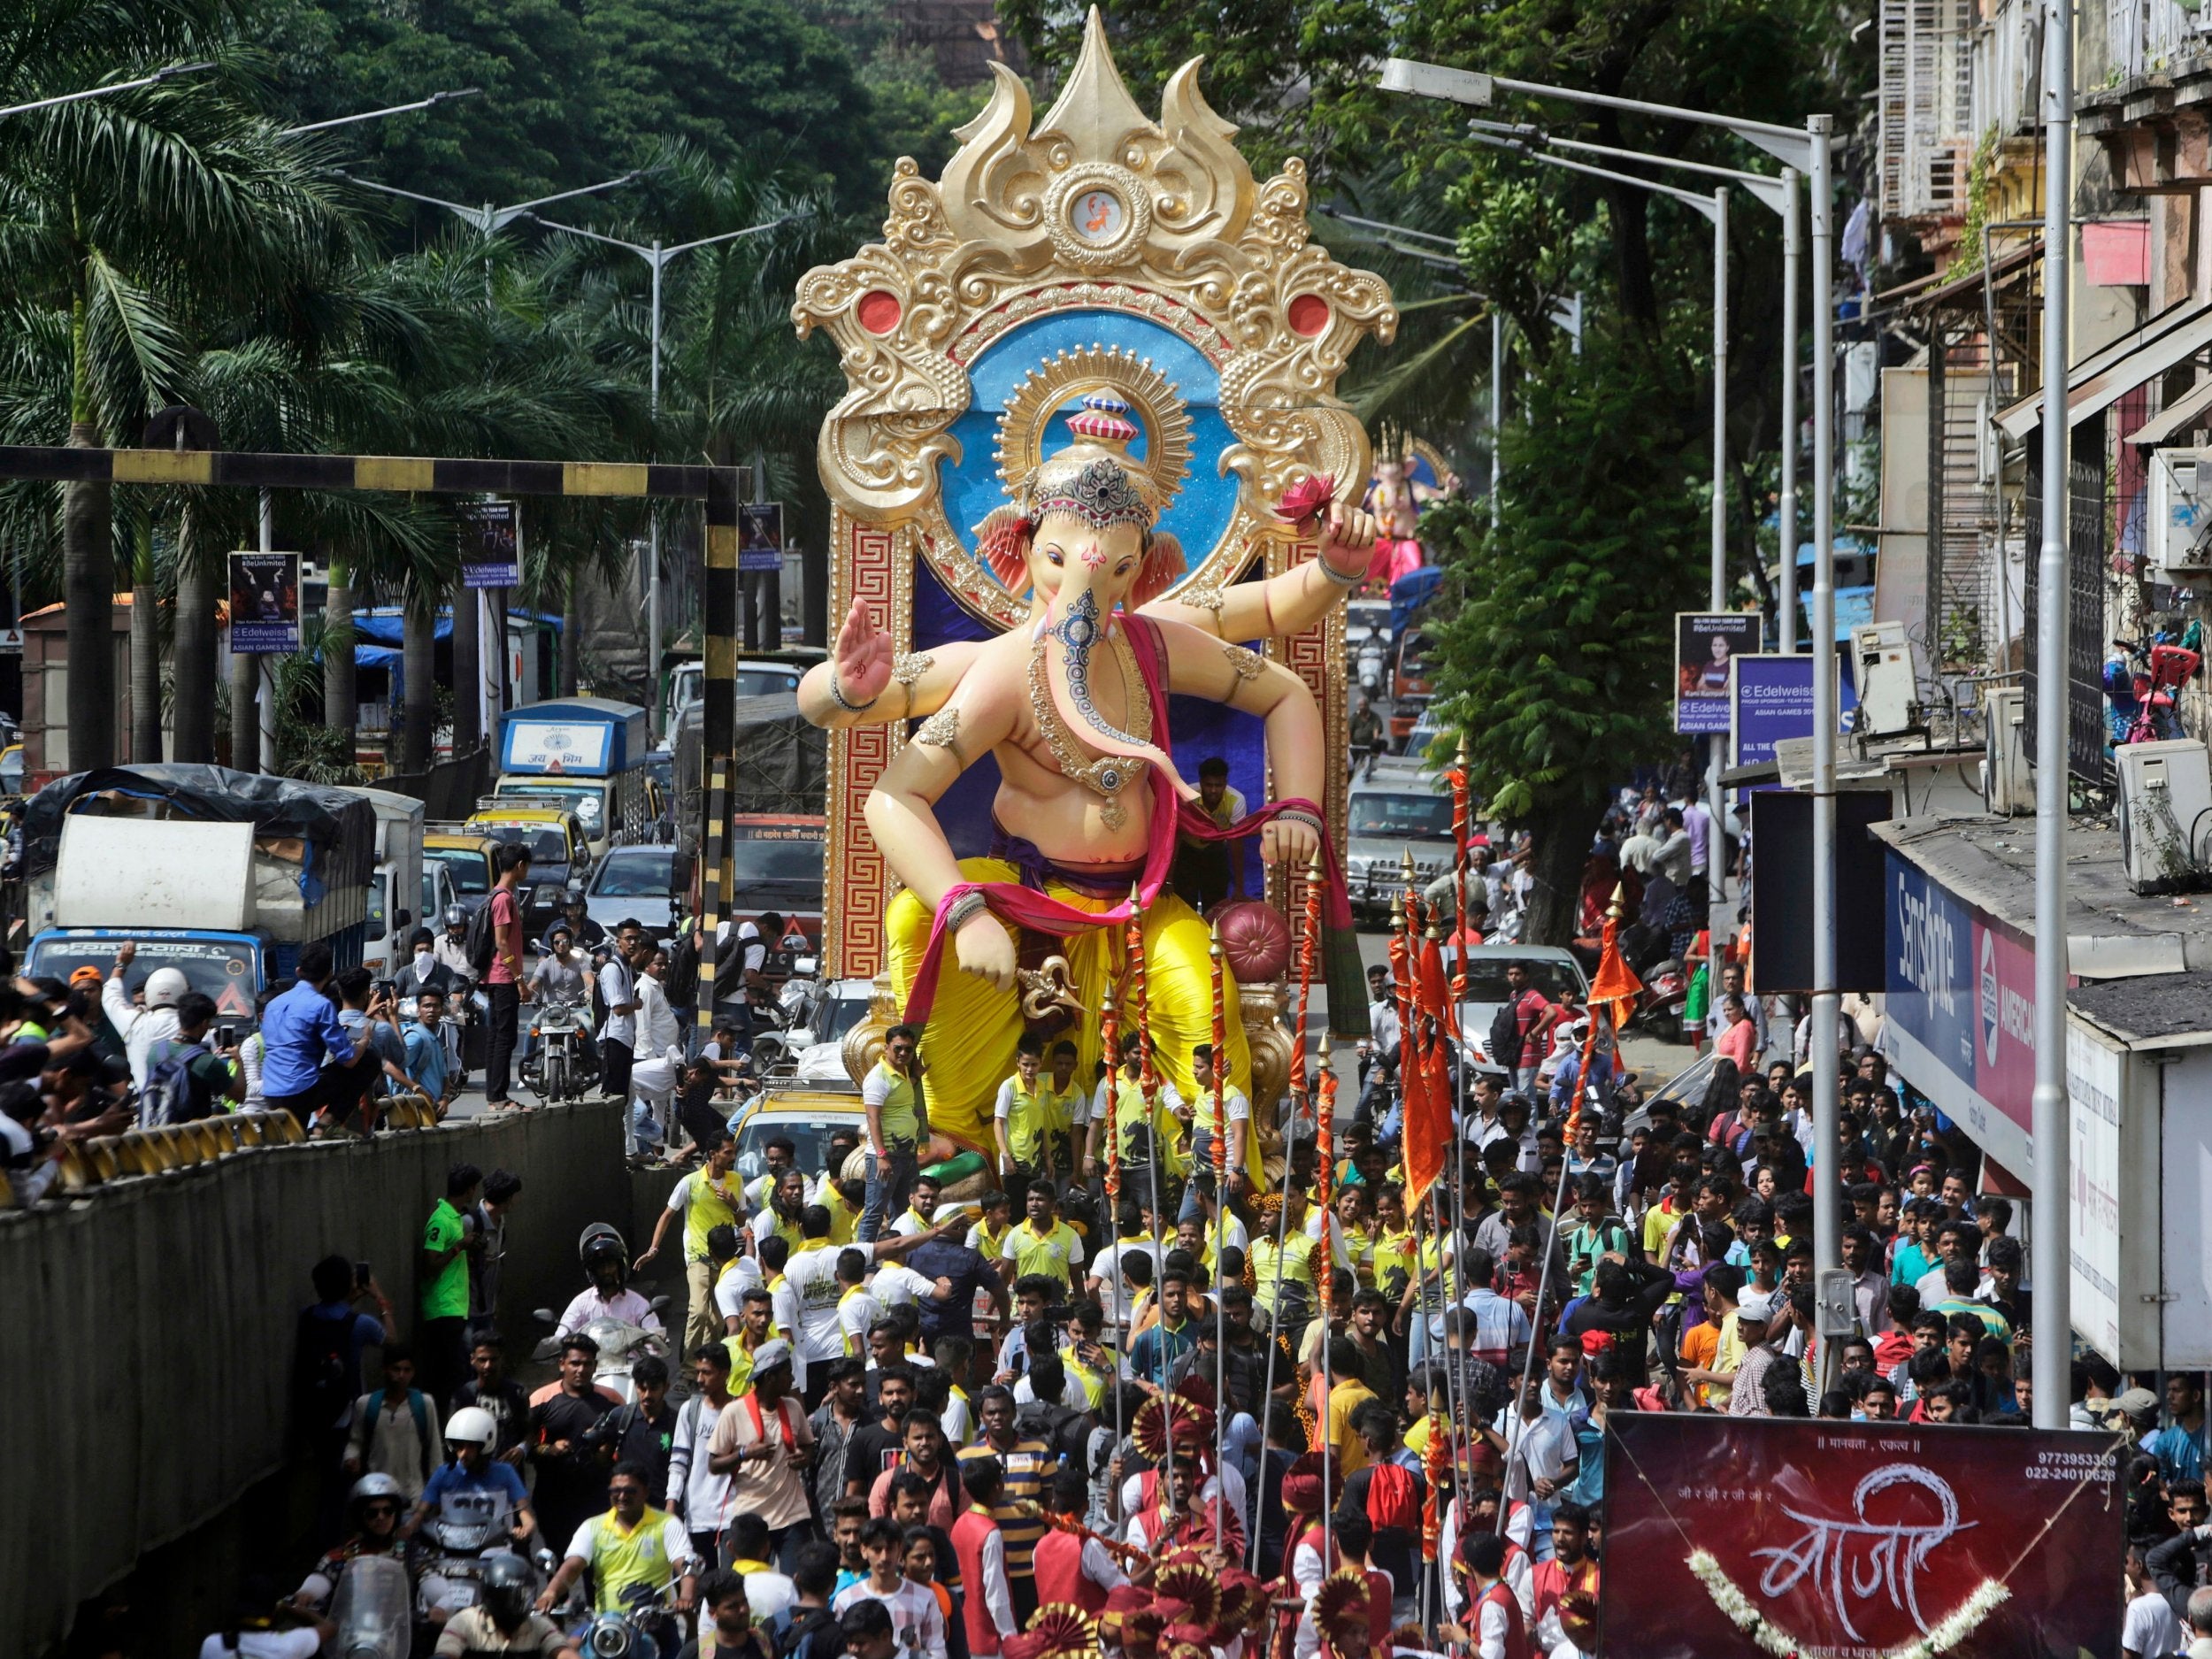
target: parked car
<point>641,884</point>
<point>1387,816</point>
<point>1551,971</point>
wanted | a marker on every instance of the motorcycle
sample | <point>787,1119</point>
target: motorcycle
<point>644,1628</point>
<point>371,1609</point>
<point>1659,1004</point>
<point>555,1067</point>
<point>1371,656</point>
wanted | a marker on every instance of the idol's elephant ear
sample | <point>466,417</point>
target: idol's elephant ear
<point>1002,543</point>
<point>1163,567</point>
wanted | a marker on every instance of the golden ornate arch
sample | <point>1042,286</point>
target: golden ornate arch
<point>1099,208</point>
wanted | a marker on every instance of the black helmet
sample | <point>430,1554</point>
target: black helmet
<point>457,916</point>
<point>573,893</point>
<point>507,1587</point>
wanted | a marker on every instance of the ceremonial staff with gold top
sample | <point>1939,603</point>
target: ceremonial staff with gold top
<point>1148,1101</point>
<point>1220,1146</point>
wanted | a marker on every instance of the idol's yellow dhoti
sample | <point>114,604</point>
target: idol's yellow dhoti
<point>968,1045</point>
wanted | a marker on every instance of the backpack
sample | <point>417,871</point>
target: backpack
<point>324,1377</point>
<point>793,1632</point>
<point>1392,1504</point>
<point>172,1094</point>
<point>1505,1035</point>
<point>418,1407</point>
<point>481,939</point>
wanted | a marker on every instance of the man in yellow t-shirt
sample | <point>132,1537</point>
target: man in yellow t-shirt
<point>1029,1119</point>
<point>1287,1269</point>
<point>1044,1244</point>
<point>1714,1349</point>
<point>1125,1092</point>
<point>706,1199</point>
<point>898,1123</point>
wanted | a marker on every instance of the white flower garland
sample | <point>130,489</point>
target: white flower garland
<point>1773,1638</point>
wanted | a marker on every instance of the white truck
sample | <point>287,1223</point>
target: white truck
<point>396,886</point>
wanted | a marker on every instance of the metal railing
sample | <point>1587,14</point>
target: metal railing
<point>106,1159</point>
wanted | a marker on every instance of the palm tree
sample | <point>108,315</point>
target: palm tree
<point>109,209</point>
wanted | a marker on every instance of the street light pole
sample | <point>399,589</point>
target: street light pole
<point>1497,405</point>
<point>1810,148</point>
<point>1715,208</point>
<point>486,218</point>
<point>657,257</point>
<point>1786,542</point>
<point>1827,1004</point>
<point>2051,1356</point>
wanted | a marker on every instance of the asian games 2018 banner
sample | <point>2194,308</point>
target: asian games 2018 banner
<point>1823,1539</point>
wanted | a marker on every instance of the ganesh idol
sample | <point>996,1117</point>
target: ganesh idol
<point>1073,705</point>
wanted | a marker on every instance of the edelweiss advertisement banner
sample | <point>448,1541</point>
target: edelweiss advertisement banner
<point>1749,1536</point>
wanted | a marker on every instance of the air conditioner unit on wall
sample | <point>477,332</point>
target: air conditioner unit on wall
<point>2165,813</point>
<point>1881,669</point>
<point>2008,781</point>
<point>2177,516</point>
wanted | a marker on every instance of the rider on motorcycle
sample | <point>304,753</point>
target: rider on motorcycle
<point>585,935</point>
<point>372,1511</point>
<point>502,1621</point>
<point>607,1263</point>
<point>632,1544</point>
<point>475,1489</point>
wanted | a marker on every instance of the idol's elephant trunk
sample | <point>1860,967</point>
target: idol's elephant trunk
<point>1075,634</point>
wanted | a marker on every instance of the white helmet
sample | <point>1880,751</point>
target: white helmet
<point>472,1423</point>
<point>166,987</point>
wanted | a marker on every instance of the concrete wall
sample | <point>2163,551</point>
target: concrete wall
<point>146,1330</point>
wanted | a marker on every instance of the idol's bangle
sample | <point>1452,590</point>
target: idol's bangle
<point>838,697</point>
<point>1341,578</point>
<point>1298,814</point>
<point>966,909</point>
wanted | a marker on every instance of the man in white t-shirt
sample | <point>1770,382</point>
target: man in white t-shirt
<point>618,1034</point>
<point>1234,1107</point>
<point>2150,1630</point>
<point>916,1622</point>
<point>811,1278</point>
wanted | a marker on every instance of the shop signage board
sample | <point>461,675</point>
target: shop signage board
<point>1848,1540</point>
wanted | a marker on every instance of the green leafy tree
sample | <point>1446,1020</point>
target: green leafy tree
<point>1555,633</point>
<point>109,209</point>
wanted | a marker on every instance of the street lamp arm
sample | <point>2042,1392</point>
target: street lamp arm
<point>1703,203</point>
<point>1396,230</point>
<point>631,177</point>
<point>730,236</point>
<point>1769,190</point>
<point>1460,86</point>
<point>154,80</point>
<point>430,101</point>
<point>641,251</point>
<point>462,209</point>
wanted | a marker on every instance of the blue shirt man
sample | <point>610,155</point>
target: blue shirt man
<point>426,1058</point>
<point>300,1027</point>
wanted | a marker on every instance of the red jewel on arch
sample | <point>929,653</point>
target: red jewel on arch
<point>1308,314</point>
<point>879,311</point>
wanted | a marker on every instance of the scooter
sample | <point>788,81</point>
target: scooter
<point>451,1580</point>
<point>555,1067</point>
<point>1659,1004</point>
<point>1370,664</point>
<point>371,1609</point>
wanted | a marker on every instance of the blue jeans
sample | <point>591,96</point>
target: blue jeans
<point>890,1179</point>
<point>1202,1157</point>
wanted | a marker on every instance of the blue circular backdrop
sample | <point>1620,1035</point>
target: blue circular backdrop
<point>1200,512</point>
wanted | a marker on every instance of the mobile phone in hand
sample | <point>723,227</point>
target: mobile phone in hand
<point>360,1275</point>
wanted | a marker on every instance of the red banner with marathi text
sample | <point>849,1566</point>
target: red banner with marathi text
<point>1823,1539</point>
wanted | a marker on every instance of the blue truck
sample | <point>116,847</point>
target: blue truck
<point>222,875</point>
